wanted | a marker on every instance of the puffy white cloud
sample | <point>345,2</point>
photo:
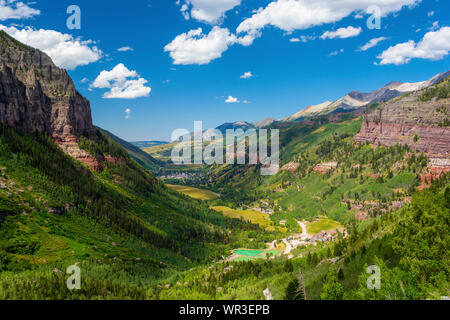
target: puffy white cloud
<point>195,47</point>
<point>13,9</point>
<point>372,43</point>
<point>125,49</point>
<point>210,11</point>
<point>247,75</point>
<point>232,99</point>
<point>290,15</point>
<point>65,50</point>
<point>342,33</point>
<point>122,82</point>
<point>435,45</point>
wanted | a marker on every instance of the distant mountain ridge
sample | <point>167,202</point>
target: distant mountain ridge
<point>146,144</point>
<point>235,126</point>
<point>419,120</point>
<point>355,99</point>
<point>136,153</point>
<point>352,101</point>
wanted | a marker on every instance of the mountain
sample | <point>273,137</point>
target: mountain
<point>147,144</point>
<point>136,153</point>
<point>71,195</point>
<point>264,123</point>
<point>310,111</point>
<point>420,120</point>
<point>352,101</point>
<point>355,99</point>
<point>235,126</point>
<point>38,96</point>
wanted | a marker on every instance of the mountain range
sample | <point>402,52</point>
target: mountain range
<point>350,102</point>
<point>364,181</point>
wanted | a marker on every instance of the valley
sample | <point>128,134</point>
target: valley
<point>364,181</point>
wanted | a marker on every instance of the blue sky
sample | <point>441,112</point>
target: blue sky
<point>153,91</point>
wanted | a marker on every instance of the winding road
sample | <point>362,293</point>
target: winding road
<point>304,234</point>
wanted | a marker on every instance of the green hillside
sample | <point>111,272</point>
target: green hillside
<point>121,226</point>
<point>409,246</point>
<point>136,153</point>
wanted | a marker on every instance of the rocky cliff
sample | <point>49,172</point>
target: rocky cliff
<point>36,95</point>
<point>419,120</point>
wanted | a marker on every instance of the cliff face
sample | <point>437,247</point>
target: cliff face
<point>35,95</point>
<point>420,123</point>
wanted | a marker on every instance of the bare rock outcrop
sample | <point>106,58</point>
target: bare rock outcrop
<point>409,120</point>
<point>36,95</point>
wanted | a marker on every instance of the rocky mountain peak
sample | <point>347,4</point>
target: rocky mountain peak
<point>36,95</point>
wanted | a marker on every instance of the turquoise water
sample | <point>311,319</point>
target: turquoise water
<point>249,253</point>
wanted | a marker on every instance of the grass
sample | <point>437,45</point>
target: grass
<point>248,215</point>
<point>161,152</point>
<point>195,193</point>
<point>272,252</point>
<point>243,259</point>
<point>323,224</point>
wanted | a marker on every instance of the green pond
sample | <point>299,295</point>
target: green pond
<point>249,253</point>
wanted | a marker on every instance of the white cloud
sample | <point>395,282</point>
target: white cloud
<point>342,33</point>
<point>232,99</point>
<point>195,47</point>
<point>435,45</point>
<point>185,11</point>
<point>125,49</point>
<point>335,53</point>
<point>210,11</point>
<point>13,9</point>
<point>435,26</point>
<point>127,113</point>
<point>431,13</point>
<point>66,51</point>
<point>123,83</point>
<point>303,39</point>
<point>247,75</point>
<point>290,15</point>
<point>372,43</point>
